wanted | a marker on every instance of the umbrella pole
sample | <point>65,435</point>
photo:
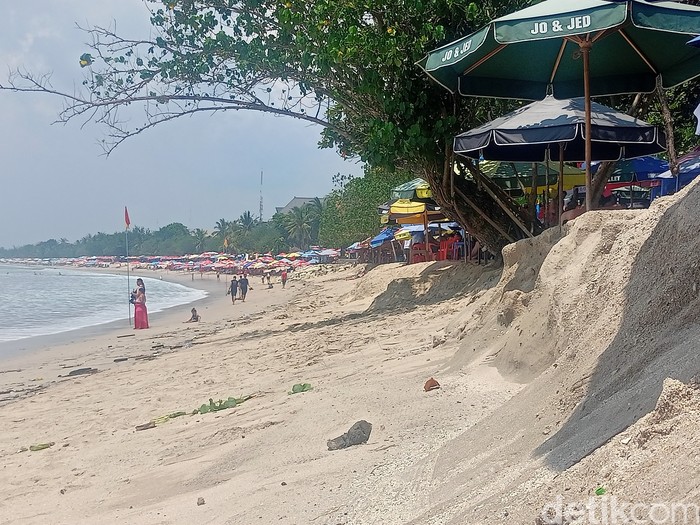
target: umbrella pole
<point>546,201</point>
<point>533,194</point>
<point>631,197</point>
<point>585,47</point>
<point>428,251</point>
<point>560,207</point>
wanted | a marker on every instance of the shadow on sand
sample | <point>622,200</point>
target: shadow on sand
<point>438,282</point>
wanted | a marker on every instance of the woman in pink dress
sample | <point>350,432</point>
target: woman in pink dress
<point>140,311</point>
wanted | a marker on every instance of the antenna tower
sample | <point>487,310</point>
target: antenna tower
<point>260,214</point>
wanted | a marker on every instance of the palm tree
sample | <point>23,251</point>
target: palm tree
<point>298,225</point>
<point>316,208</point>
<point>222,232</point>
<point>220,228</point>
<point>200,239</point>
<point>247,221</point>
<point>315,211</point>
<point>232,234</point>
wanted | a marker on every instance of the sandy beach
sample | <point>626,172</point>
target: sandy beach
<point>569,372</point>
<point>359,357</point>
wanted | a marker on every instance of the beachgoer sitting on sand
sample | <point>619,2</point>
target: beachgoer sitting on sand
<point>194,318</point>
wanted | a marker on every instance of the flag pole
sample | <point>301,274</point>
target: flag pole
<point>126,239</point>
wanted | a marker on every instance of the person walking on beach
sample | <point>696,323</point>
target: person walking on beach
<point>140,311</point>
<point>243,285</point>
<point>284,278</point>
<point>233,289</point>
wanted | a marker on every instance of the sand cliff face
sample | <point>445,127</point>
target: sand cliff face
<point>594,321</point>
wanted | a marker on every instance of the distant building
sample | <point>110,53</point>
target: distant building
<point>296,202</point>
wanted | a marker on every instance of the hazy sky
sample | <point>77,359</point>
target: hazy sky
<point>56,182</point>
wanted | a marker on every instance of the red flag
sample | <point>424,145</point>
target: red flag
<point>126,218</point>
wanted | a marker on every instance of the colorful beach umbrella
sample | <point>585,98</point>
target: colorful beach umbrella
<point>387,234</point>
<point>638,169</point>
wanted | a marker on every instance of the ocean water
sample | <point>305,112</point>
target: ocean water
<point>42,301</point>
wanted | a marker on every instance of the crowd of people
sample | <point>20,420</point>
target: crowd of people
<point>237,289</point>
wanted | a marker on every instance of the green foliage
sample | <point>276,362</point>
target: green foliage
<point>300,387</point>
<point>350,213</point>
<point>348,66</point>
<point>682,102</point>
<point>247,221</point>
<point>175,239</point>
<point>298,224</point>
<point>215,406</point>
<point>264,237</point>
<point>200,238</point>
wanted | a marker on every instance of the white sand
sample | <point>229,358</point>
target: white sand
<point>362,366</point>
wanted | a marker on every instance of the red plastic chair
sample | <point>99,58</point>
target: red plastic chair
<point>418,253</point>
<point>443,250</point>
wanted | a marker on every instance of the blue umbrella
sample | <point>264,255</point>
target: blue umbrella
<point>688,170</point>
<point>637,169</point>
<point>387,234</point>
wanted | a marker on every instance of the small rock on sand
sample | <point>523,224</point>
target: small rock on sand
<point>358,434</point>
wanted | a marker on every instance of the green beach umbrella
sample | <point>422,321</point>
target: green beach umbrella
<point>573,48</point>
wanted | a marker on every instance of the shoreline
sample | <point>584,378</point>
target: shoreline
<point>32,365</point>
<point>12,349</point>
<point>36,361</point>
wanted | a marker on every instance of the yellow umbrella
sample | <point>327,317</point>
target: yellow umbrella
<point>405,211</point>
<point>406,206</point>
<point>402,235</point>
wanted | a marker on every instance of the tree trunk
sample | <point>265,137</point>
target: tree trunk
<point>470,204</point>
<point>606,168</point>
<point>668,127</point>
